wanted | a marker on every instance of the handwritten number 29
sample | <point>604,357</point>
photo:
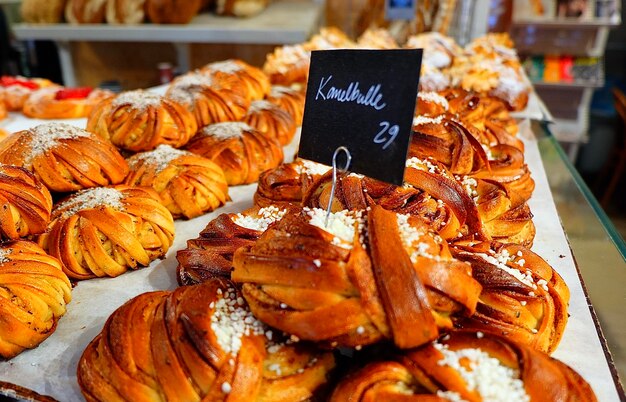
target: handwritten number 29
<point>387,134</point>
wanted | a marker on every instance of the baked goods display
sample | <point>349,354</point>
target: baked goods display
<point>209,99</point>
<point>188,185</point>
<point>240,8</point>
<point>242,152</point>
<point>140,121</point>
<point>42,11</point>
<point>25,203</point>
<point>125,11</point>
<point>64,157</point>
<point>197,343</point>
<point>172,11</point>
<point>466,366</point>
<point>288,99</point>
<point>34,295</point>
<point>85,11</point>
<point>16,90</point>
<point>63,103</point>
<point>271,120</point>
<point>256,85</point>
<point>106,231</point>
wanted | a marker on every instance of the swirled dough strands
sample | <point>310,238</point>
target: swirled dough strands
<point>224,131</point>
<point>180,90</point>
<point>138,100</point>
<point>91,198</point>
<point>160,158</point>
<point>226,66</point>
<point>46,136</point>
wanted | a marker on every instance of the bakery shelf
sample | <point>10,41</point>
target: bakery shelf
<point>282,22</point>
<point>569,22</point>
<point>571,84</point>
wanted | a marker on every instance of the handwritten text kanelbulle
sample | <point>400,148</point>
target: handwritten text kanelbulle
<point>352,93</point>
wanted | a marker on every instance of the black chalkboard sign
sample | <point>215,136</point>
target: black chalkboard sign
<point>363,100</point>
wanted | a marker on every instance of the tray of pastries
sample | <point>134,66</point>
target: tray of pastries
<point>169,247</point>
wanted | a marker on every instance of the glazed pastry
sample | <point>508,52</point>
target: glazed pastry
<point>141,121</point>
<point>430,104</point>
<point>3,107</point>
<point>288,182</point>
<point>254,81</point>
<point>105,231</point>
<point>271,120</point>
<point>16,90</point>
<point>523,298</point>
<point>196,343</point>
<point>211,254</point>
<point>377,38</point>
<point>188,185</point>
<point>288,65</point>
<point>65,158</point>
<point>466,366</point>
<point>63,103</point>
<point>125,11</point>
<point>240,8</point>
<point>25,203</point>
<point>34,295</point>
<point>42,12</point>
<point>172,11</point>
<point>338,284</point>
<point>439,50</point>
<point>288,99</point>
<point>209,101</point>
<point>85,11</point>
<point>242,152</point>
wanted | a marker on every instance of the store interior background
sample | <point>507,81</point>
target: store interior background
<point>133,65</point>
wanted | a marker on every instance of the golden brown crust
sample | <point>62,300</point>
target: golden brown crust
<point>42,12</point>
<point>140,121</point>
<point>33,297</point>
<point>271,120</point>
<point>188,185</point>
<point>172,11</point>
<point>125,11</point>
<point>25,203</point>
<point>288,65</point>
<point>183,345</point>
<point>106,231</point>
<point>42,104</point>
<point>288,99</point>
<point>240,8</point>
<point>85,11</point>
<point>64,158</point>
<point>306,281</point>
<point>210,100</point>
<point>242,152</point>
<point>253,82</point>
<point>15,94</point>
<point>433,373</point>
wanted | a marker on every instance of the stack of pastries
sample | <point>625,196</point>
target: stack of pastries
<point>427,290</point>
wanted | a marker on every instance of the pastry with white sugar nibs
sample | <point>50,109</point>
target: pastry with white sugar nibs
<point>188,184</point>
<point>288,99</point>
<point>209,99</point>
<point>197,343</point>
<point>354,279</point>
<point>64,157</point>
<point>140,121</point>
<point>63,103</point>
<point>25,203</point>
<point>271,120</point>
<point>466,366</point>
<point>106,231</point>
<point>34,295</point>
<point>242,152</point>
<point>251,81</point>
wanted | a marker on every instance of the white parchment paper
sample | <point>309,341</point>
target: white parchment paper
<point>50,369</point>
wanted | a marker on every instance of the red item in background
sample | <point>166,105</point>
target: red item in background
<point>7,81</point>
<point>567,62</point>
<point>166,72</point>
<point>73,93</point>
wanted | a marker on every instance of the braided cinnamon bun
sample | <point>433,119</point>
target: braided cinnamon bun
<point>188,185</point>
<point>25,203</point>
<point>430,104</point>
<point>523,298</point>
<point>85,11</point>
<point>34,295</point>
<point>209,100</point>
<point>196,343</point>
<point>211,254</point>
<point>288,65</point>
<point>16,90</point>
<point>105,231</point>
<point>271,120</point>
<point>288,182</point>
<point>241,151</point>
<point>254,81</point>
<point>63,103</point>
<point>65,158</point>
<point>377,38</point>
<point>140,121</point>
<point>288,99</point>
<point>347,287</point>
<point>466,366</point>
